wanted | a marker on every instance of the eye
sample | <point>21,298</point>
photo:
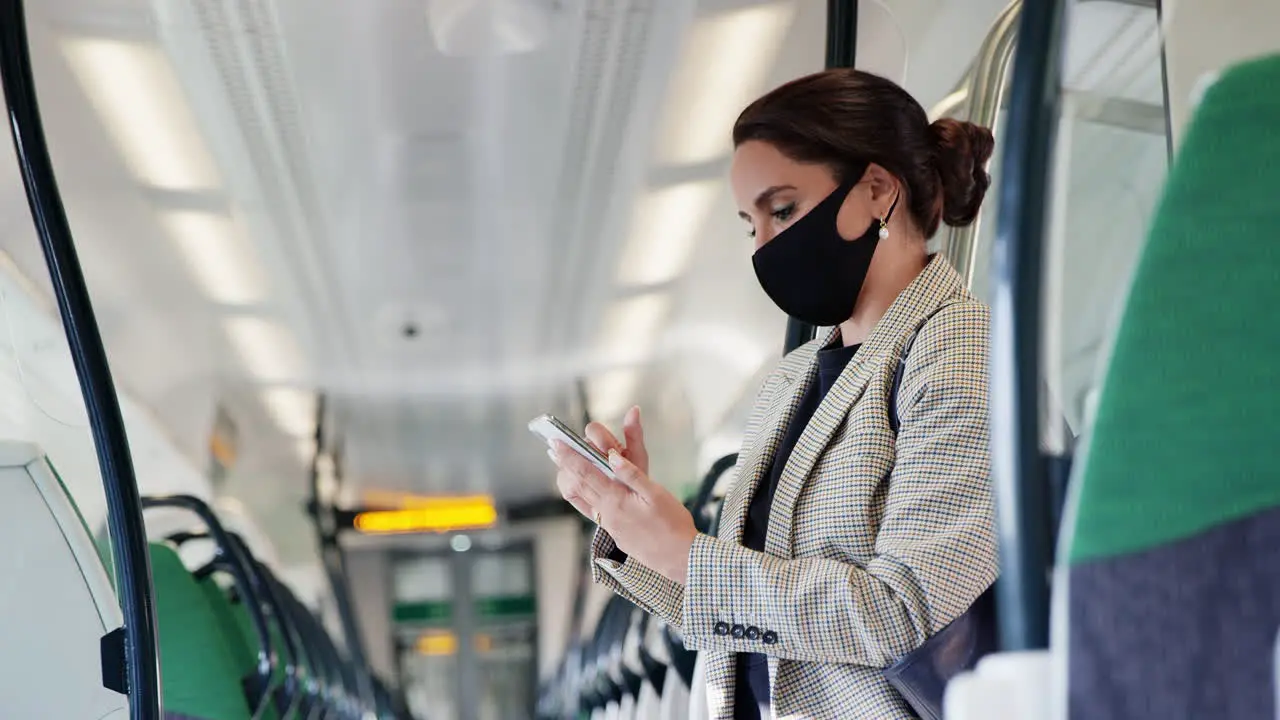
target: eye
<point>784,213</point>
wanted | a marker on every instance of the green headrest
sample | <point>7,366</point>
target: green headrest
<point>199,673</point>
<point>1184,436</point>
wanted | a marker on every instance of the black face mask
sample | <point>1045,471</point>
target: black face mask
<point>812,273</point>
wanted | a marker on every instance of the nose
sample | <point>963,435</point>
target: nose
<point>762,238</point>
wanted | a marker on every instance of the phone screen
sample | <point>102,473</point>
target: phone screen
<point>549,428</point>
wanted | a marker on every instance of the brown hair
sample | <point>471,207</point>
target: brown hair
<point>845,118</point>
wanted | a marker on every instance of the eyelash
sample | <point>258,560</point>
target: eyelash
<point>782,214</point>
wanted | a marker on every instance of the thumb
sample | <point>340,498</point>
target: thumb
<point>628,474</point>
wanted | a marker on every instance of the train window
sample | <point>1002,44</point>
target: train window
<point>1110,166</point>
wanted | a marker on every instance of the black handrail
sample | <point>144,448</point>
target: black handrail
<point>842,51</point>
<point>317,652</point>
<point>298,683</point>
<point>229,557</point>
<point>842,33</point>
<point>124,509</point>
<point>268,596</point>
<point>333,558</point>
<point>708,485</point>
<point>309,654</point>
<point>1018,466</point>
<point>313,685</point>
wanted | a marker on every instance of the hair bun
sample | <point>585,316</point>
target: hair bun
<point>962,150</point>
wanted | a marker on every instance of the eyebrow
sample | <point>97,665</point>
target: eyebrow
<point>762,200</point>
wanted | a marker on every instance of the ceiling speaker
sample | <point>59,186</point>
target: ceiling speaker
<point>478,28</point>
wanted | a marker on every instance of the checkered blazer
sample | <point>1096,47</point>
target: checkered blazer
<point>874,542</point>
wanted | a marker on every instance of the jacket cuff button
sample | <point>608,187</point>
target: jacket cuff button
<point>753,633</point>
<point>721,628</point>
<point>738,632</point>
<point>770,637</point>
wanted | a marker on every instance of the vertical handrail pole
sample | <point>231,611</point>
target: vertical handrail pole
<point>124,505</point>
<point>987,80</point>
<point>334,561</point>
<point>1018,467</point>
<point>842,51</point>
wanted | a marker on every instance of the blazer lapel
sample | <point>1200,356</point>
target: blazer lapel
<point>937,282</point>
<point>795,374</point>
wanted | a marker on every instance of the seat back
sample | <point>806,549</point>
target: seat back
<point>59,600</point>
<point>1173,537</point>
<point>236,628</point>
<point>200,677</point>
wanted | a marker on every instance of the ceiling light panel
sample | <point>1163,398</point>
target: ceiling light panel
<point>217,255</point>
<point>726,61</point>
<point>485,28</point>
<point>293,411</point>
<point>632,327</point>
<point>267,350</point>
<point>665,225</point>
<point>611,393</point>
<point>133,88</point>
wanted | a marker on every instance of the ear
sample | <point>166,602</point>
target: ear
<point>884,187</point>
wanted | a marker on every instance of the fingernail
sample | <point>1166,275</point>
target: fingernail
<point>551,454</point>
<point>614,458</point>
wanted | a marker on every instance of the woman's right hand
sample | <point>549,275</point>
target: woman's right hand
<point>632,448</point>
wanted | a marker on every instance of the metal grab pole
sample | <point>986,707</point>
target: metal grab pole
<point>124,506</point>
<point>334,561</point>
<point>842,51</point>
<point>986,86</point>
<point>842,33</point>
<point>1018,467</point>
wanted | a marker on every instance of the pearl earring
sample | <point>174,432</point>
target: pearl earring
<point>884,229</point>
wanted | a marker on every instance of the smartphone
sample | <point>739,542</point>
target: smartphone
<point>549,428</point>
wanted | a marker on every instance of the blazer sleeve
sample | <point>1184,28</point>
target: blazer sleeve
<point>935,550</point>
<point>649,590</point>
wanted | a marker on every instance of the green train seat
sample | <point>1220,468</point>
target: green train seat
<point>236,627</point>
<point>1173,535</point>
<point>200,678</point>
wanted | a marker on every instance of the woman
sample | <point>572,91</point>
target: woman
<point>844,545</point>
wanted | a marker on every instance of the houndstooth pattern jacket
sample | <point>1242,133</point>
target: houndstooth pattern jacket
<point>874,542</point>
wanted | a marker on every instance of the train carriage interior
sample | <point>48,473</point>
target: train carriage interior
<point>283,282</point>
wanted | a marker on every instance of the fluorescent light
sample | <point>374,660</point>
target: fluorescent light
<point>664,227</point>
<point>631,328</point>
<point>471,28</point>
<point>612,393</point>
<point>133,87</point>
<point>293,411</point>
<point>217,254</point>
<point>726,60</point>
<point>266,349</point>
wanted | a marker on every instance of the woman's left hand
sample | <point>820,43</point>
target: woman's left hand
<point>645,520</point>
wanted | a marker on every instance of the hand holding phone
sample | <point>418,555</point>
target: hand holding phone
<point>550,428</point>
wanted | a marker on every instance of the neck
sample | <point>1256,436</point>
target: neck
<point>889,275</point>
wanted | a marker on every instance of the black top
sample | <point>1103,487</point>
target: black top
<point>752,685</point>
